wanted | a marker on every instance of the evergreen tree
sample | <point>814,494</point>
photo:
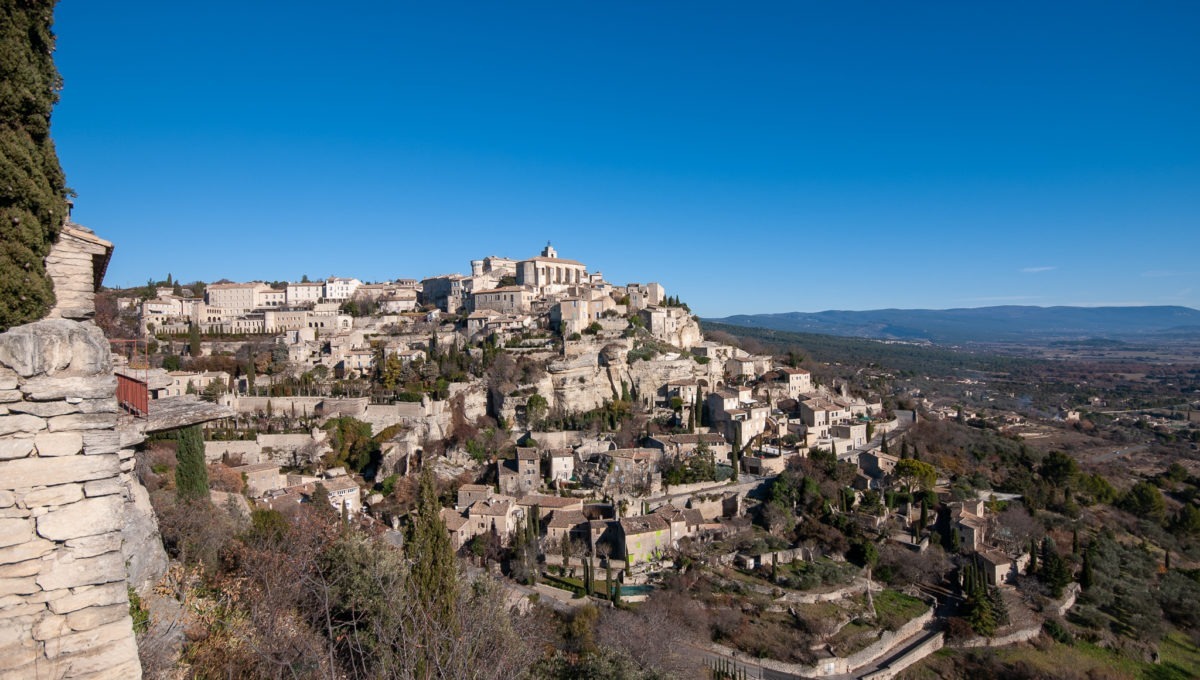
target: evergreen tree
<point>884,446</point>
<point>1087,575</point>
<point>999,608</point>
<point>433,578</point>
<point>1054,572</point>
<point>924,518</point>
<point>193,340</point>
<point>191,474</point>
<point>33,194</point>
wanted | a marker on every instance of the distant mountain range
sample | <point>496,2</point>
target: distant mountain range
<point>1010,323</point>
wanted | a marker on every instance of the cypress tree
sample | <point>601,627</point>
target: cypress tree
<point>33,195</point>
<point>193,340</point>
<point>433,579</point>
<point>1087,576</point>
<point>191,475</point>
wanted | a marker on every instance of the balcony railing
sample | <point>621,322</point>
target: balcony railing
<point>133,395</point>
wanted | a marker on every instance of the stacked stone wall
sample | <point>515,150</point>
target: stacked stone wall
<point>65,497</point>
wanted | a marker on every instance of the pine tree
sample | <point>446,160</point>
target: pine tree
<point>999,607</point>
<point>191,474</point>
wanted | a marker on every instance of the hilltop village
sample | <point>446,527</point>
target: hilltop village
<point>587,442</point>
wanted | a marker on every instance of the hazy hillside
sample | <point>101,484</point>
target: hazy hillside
<point>986,324</point>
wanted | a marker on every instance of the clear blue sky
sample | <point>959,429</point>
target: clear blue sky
<point>752,157</point>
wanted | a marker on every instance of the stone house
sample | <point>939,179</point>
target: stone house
<point>854,432</point>
<point>261,478</point>
<point>522,475</point>
<point>304,294</point>
<point>468,494</point>
<point>562,465</point>
<point>787,382</point>
<point>673,325</point>
<point>644,538</point>
<point>344,494</point>
<point>565,523</point>
<point>506,300</point>
<point>338,288</point>
<point>544,505</point>
<point>642,296</point>
<point>457,526</point>
<point>498,515</point>
<point>683,523</point>
<point>238,298</point>
<point>685,445</point>
<point>820,414</point>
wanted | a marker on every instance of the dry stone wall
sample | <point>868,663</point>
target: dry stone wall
<point>67,503</point>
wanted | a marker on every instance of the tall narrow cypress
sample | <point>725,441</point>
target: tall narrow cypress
<point>191,474</point>
<point>33,203</point>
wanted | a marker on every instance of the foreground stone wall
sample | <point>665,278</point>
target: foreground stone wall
<point>65,498</point>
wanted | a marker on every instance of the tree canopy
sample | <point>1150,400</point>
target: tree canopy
<point>33,190</point>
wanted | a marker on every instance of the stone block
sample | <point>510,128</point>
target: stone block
<point>85,518</point>
<point>43,409</point>
<point>81,388</point>
<point>10,396</point>
<point>50,626</point>
<point>14,512</point>
<point>18,586</point>
<point>53,345</point>
<point>20,569</point>
<point>23,606</point>
<point>7,498</point>
<point>83,421</point>
<point>92,596</point>
<point>25,473</point>
<point>15,531</point>
<point>52,444</point>
<point>32,549</point>
<point>16,658</point>
<point>8,378</point>
<point>64,571</point>
<point>92,617</point>
<point>15,448</point>
<point>103,487</point>
<point>21,422</point>
<point>63,494</point>
<point>93,639</point>
<point>90,546</point>
<point>99,406</point>
<point>113,660</point>
<point>101,441</point>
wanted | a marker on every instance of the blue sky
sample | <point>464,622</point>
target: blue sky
<point>752,157</point>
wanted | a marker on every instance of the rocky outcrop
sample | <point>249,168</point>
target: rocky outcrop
<point>72,517</point>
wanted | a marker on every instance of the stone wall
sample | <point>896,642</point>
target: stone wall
<point>930,645</point>
<point>71,516</point>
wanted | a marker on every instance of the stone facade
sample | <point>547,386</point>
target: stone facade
<point>66,502</point>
